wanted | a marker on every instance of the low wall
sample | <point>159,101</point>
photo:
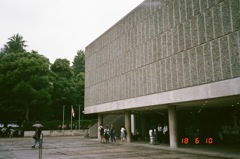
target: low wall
<point>83,132</point>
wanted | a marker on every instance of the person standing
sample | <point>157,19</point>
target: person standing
<point>112,133</point>
<point>165,133</point>
<point>36,137</point>
<point>101,131</point>
<point>159,133</point>
<point>106,134</point>
<point>11,132</point>
<point>122,134</point>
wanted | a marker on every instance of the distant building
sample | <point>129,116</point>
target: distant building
<point>170,61</point>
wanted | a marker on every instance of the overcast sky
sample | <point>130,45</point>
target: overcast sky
<point>58,28</point>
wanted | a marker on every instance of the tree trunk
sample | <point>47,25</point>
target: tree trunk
<point>27,112</point>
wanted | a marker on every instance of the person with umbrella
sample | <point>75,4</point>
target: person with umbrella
<point>37,135</point>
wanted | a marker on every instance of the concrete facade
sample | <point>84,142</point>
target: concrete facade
<point>162,46</point>
<point>165,52</point>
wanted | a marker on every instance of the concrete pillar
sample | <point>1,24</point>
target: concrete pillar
<point>172,119</point>
<point>133,127</point>
<point>128,125</point>
<point>100,121</point>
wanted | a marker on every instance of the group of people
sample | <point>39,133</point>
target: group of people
<point>162,133</point>
<point>7,132</point>
<point>109,134</point>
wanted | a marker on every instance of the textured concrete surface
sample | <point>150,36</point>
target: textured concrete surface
<point>80,148</point>
<point>161,46</point>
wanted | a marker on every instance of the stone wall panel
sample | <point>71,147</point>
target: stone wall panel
<point>169,74</point>
<point>189,8</point>
<point>200,64</point>
<point>158,74</point>
<point>234,44</point>
<point>174,69</point>
<point>181,37</point>
<point>194,31</point>
<point>225,58</point>
<point>235,12</point>
<point>164,44</point>
<point>187,33</point>
<point>209,25</point>
<point>176,12</point>
<point>169,43</point>
<point>226,17</point>
<point>203,5</point>
<point>186,69</point>
<point>217,21</point>
<point>163,75</point>
<point>216,60</point>
<point>171,15</point>
<point>175,39</point>
<point>201,29</point>
<point>165,18</point>
<point>193,67</point>
<point>183,14</point>
<point>208,62</point>
<point>196,7</point>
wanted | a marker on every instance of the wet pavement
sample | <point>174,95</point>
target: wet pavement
<point>81,148</point>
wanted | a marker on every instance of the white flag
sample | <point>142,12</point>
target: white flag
<point>73,114</point>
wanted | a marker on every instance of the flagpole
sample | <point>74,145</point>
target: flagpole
<point>79,118</point>
<point>63,117</point>
<point>71,116</point>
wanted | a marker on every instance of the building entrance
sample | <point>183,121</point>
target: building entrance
<point>220,125</point>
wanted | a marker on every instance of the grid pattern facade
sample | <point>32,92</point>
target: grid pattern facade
<point>164,45</point>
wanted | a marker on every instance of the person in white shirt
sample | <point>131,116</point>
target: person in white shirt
<point>122,134</point>
<point>165,133</point>
<point>101,131</point>
<point>159,133</point>
<point>11,132</point>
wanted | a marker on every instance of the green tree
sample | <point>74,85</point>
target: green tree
<point>61,67</point>
<point>25,83</point>
<point>79,76</point>
<point>1,53</point>
<point>79,62</point>
<point>16,44</point>
<point>79,96</point>
<point>64,87</point>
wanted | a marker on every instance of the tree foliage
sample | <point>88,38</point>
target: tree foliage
<point>24,83</point>
<point>64,86</point>
<point>61,67</point>
<point>79,76</point>
<point>16,44</point>
<point>31,88</point>
<point>79,62</point>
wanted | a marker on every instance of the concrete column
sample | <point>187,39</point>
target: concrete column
<point>128,125</point>
<point>172,119</point>
<point>100,121</point>
<point>133,127</point>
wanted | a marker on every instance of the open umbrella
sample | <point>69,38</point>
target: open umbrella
<point>37,125</point>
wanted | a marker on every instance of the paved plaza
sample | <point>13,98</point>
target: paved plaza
<point>82,148</point>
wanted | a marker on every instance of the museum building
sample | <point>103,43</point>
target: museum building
<point>174,62</point>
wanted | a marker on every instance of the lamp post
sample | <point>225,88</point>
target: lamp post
<point>63,117</point>
<point>79,118</point>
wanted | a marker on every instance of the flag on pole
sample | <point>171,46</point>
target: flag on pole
<point>73,114</point>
